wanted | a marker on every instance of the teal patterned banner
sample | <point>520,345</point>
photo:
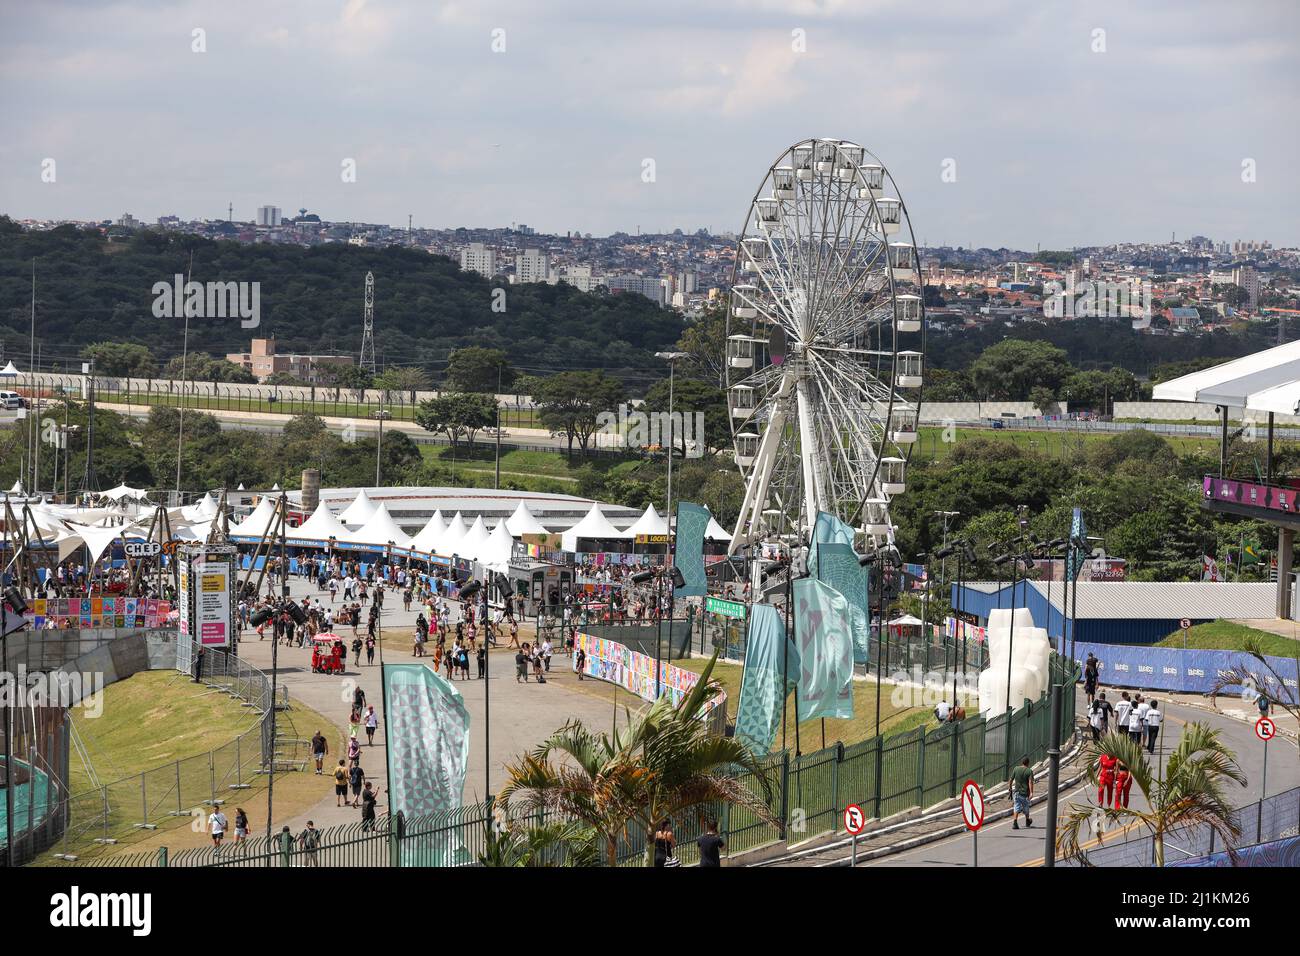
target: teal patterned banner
<point>758,715</point>
<point>688,551</point>
<point>825,641</point>
<point>828,529</point>
<point>837,566</point>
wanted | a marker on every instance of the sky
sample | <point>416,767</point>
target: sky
<point>1057,124</point>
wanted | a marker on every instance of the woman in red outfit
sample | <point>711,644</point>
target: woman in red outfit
<point>1123,784</point>
<point>1106,779</point>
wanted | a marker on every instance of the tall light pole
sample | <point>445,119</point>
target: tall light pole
<point>671,358</point>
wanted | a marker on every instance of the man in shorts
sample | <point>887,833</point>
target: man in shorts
<point>319,748</point>
<point>340,783</point>
<point>1021,786</point>
<point>309,843</point>
<point>217,826</point>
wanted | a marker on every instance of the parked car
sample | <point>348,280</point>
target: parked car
<point>381,413</point>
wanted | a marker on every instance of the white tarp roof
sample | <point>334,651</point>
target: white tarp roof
<point>321,526</point>
<point>524,522</point>
<point>426,539</point>
<point>475,538</point>
<point>258,523</point>
<point>359,512</point>
<point>496,552</point>
<point>650,522</point>
<point>1283,399</point>
<point>96,540</point>
<point>452,537</point>
<point>123,491</point>
<point>200,510</point>
<point>593,525</point>
<point>1233,382</point>
<point>380,529</point>
<point>715,531</point>
<point>9,370</point>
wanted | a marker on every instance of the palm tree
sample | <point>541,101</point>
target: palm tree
<point>548,844</point>
<point>1192,791</point>
<point>664,763</point>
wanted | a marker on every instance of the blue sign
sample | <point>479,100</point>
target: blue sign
<point>1192,671</point>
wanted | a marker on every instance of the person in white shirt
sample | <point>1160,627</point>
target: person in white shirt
<point>1135,725</point>
<point>217,824</point>
<point>1152,720</point>
<point>1121,711</point>
<point>941,711</point>
<point>546,653</point>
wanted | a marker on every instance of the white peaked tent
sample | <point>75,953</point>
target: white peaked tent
<point>475,538</point>
<point>200,510</point>
<point>452,538</point>
<point>122,492</point>
<point>651,522</point>
<point>359,512</point>
<point>258,523</point>
<point>523,522</point>
<point>96,540</point>
<point>241,487</point>
<point>500,547</point>
<point>426,539</point>
<point>276,486</point>
<point>9,371</point>
<point>715,531</point>
<point>593,525</point>
<point>17,489</point>
<point>321,526</point>
<point>380,529</point>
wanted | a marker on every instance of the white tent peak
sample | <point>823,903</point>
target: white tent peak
<point>426,539</point>
<point>650,522</point>
<point>360,511</point>
<point>321,526</point>
<point>524,522</point>
<point>593,525</point>
<point>452,537</point>
<point>381,529</point>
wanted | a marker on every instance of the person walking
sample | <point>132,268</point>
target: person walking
<point>665,844</point>
<point>711,845</point>
<point>580,663</point>
<point>241,828</point>
<point>1153,720</point>
<point>340,783</point>
<point>1123,784</point>
<point>372,724</point>
<point>1135,723</point>
<point>1105,779</point>
<point>354,750</point>
<point>369,800</point>
<point>521,664</point>
<point>356,777</point>
<point>546,653</point>
<point>482,662</point>
<point>1091,669</point>
<point>1021,786</point>
<point>217,824</point>
<point>1122,707</point>
<point>319,748</point>
<point>370,650</point>
<point>309,843</point>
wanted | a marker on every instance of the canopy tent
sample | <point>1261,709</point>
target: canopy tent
<point>496,553</point>
<point>1282,399</point>
<point>321,526</point>
<point>200,510</point>
<point>17,489</point>
<point>380,529</point>
<point>258,523</point>
<point>594,527</point>
<point>650,522</point>
<point>475,538</point>
<point>524,522</point>
<point>715,531</point>
<point>9,371</point>
<point>452,538</point>
<point>906,620</point>
<point>123,492</point>
<point>359,512</point>
<point>97,540</point>
<point>426,539</point>
<point>1232,383</point>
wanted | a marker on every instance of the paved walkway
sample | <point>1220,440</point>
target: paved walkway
<point>1275,625</point>
<point>522,714</point>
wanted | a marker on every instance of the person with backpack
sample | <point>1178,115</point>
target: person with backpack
<point>309,843</point>
<point>1091,668</point>
<point>340,782</point>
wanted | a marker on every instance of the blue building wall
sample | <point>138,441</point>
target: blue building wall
<point>1145,630</point>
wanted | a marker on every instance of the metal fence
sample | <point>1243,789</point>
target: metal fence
<point>673,638</point>
<point>806,794</point>
<point>1273,818</point>
<point>190,786</point>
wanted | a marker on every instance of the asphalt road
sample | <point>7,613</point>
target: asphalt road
<point>999,845</point>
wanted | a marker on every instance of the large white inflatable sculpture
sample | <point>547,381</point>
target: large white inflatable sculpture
<point>1027,652</point>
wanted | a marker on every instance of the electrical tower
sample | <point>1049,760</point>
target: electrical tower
<point>368,331</point>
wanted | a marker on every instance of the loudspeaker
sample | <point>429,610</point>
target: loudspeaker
<point>679,580</point>
<point>641,577</point>
<point>469,590</point>
<point>15,600</point>
<point>260,616</point>
<point>297,613</point>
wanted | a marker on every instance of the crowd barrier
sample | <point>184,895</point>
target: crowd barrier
<point>1173,669</point>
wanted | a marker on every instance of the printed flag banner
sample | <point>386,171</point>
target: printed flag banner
<point>1075,557</point>
<point>824,637</point>
<point>758,715</point>
<point>828,529</point>
<point>427,733</point>
<point>837,566</point>
<point>688,548</point>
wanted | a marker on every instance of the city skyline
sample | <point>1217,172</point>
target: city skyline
<point>1056,146</point>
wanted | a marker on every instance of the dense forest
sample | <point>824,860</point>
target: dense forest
<point>89,289</point>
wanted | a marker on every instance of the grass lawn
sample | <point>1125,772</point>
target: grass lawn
<point>149,722</point>
<point>1227,636</point>
<point>1059,444</point>
<point>545,471</point>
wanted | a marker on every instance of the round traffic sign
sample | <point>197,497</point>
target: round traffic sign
<point>972,805</point>
<point>1185,624</point>
<point>1265,728</point>
<point>855,821</point>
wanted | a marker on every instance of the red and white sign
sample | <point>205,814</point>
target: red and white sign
<point>1185,624</point>
<point>855,821</point>
<point>1265,728</point>
<point>972,805</point>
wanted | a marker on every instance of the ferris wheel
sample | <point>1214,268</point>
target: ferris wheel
<point>825,344</point>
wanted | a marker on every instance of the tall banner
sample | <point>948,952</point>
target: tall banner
<point>688,550</point>
<point>758,715</point>
<point>1075,559</point>
<point>824,637</point>
<point>827,529</point>
<point>837,567</point>
<point>426,729</point>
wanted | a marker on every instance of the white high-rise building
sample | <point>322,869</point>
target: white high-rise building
<point>580,278</point>
<point>268,215</point>
<point>531,265</point>
<point>1248,279</point>
<point>476,257</point>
